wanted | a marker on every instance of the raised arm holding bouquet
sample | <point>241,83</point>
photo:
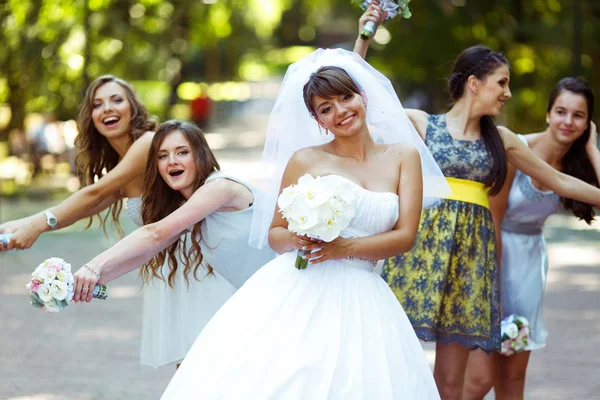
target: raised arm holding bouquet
<point>388,9</point>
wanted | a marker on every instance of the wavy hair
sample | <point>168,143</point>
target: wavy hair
<point>159,200</point>
<point>95,156</point>
<point>481,62</point>
<point>576,162</point>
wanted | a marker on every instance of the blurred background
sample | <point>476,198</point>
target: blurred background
<point>219,63</point>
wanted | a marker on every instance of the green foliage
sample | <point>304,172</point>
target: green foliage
<point>52,49</point>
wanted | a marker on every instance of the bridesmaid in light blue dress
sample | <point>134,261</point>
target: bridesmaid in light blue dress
<point>569,144</point>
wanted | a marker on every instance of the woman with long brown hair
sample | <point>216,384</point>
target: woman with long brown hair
<point>115,133</point>
<point>569,143</point>
<point>184,190</point>
<point>449,283</point>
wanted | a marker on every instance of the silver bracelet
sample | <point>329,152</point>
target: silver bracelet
<point>91,270</point>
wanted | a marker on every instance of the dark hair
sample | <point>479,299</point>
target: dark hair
<point>94,153</point>
<point>159,200</point>
<point>481,61</point>
<point>328,82</point>
<point>576,162</point>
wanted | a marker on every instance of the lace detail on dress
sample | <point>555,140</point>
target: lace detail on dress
<point>531,192</point>
<point>134,210</point>
<point>462,159</point>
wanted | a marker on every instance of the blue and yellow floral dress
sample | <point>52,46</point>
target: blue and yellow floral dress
<point>448,283</point>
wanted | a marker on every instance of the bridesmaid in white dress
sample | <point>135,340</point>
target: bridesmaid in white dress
<point>569,143</point>
<point>184,191</point>
<point>115,132</point>
<point>172,317</point>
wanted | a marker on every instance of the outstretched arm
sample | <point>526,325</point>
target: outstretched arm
<point>144,243</point>
<point>562,184</point>
<point>93,198</point>
<point>374,14</point>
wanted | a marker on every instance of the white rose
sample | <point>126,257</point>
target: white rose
<point>511,330</point>
<point>47,275</point>
<point>59,290</point>
<point>518,346</point>
<point>38,270</point>
<point>51,307</point>
<point>62,276</point>
<point>523,321</point>
<point>45,293</point>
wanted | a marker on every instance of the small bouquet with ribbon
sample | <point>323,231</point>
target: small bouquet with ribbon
<point>392,7</point>
<point>515,334</point>
<point>51,286</point>
<point>320,208</point>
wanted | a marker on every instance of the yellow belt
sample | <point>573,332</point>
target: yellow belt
<point>468,191</point>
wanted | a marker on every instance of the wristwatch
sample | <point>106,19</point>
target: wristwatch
<point>51,220</point>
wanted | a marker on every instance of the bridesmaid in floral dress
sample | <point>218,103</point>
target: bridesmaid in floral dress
<point>448,283</point>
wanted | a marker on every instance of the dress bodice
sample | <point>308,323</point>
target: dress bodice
<point>134,210</point>
<point>225,237</point>
<point>376,212</point>
<point>462,159</point>
<point>527,205</point>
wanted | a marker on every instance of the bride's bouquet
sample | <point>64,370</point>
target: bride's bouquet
<point>318,208</point>
<point>392,7</point>
<point>515,334</point>
<point>51,286</point>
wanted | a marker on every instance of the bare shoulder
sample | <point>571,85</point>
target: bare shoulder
<point>509,138</point>
<point>307,156</point>
<point>403,151</point>
<point>419,119</point>
<point>142,143</point>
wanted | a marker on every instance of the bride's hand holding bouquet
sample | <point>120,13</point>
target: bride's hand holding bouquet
<point>317,213</point>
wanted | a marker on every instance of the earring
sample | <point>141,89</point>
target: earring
<point>326,134</point>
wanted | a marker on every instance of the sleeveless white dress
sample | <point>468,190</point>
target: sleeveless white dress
<point>524,254</point>
<point>173,317</point>
<point>332,331</point>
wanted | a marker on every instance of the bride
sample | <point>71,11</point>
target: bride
<point>333,330</point>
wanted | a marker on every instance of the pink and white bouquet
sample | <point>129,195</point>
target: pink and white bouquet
<point>320,208</point>
<point>51,286</point>
<point>515,334</point>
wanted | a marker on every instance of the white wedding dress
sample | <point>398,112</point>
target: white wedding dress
<point>332,331</point>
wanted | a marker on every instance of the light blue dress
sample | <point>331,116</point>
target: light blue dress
<point>172,318</point>
<point>225,240</point>
<point>524,254</point>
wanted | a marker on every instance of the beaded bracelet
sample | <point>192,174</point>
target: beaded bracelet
<point>91,270</point>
